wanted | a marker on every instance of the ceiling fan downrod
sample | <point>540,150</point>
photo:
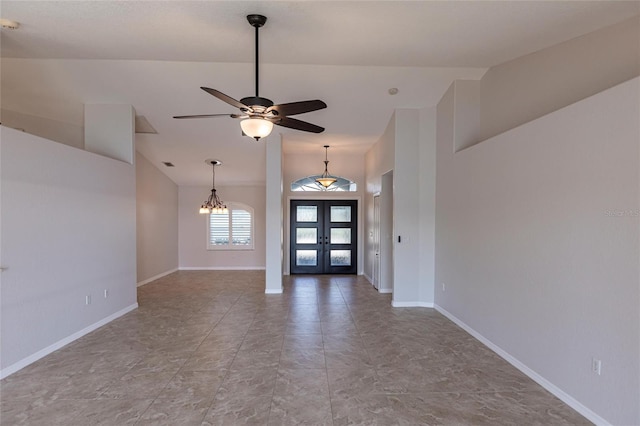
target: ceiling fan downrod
<point>257,21</point>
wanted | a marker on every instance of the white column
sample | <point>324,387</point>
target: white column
<point>274,216</point>
<point>109,130</point>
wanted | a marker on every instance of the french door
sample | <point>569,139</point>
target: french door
<point>324,236</point>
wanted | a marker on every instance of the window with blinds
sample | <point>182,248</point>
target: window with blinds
<point>232,230</point>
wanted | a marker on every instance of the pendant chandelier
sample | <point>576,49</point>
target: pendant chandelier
<point>326,180</point>
<point>213,205</point>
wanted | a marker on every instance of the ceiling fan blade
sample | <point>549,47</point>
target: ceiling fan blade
<point>293,123</point>
<point>294,108</point>
<point>225,98</point>
<point>204,116</point>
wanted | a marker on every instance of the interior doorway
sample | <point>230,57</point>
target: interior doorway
<point>385,284</point>
<point>324,236</point>
<point>376,241</point>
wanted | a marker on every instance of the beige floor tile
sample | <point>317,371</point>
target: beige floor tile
<point>112,412</point>
<point>302,358</point>
<point>301,396</point>
<point>41,412</point>
<point>210,348</point>
<point>183,412</point>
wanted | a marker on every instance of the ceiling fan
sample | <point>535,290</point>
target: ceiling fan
<point>260,114</point>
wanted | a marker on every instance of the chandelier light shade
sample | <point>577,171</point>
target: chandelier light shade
<point>326,180</point>
<point>213,205</point>
<point>256,127</point>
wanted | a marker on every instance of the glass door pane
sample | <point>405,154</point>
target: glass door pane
<point>340,257</point>
<point>307,235</point>
<point>340,235</point>
<point>306,258</point>
<point>307,213</point>
<point>340,213</point>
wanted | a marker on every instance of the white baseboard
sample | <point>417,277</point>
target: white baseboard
<point>368,278</point>
<point>221,268</point>
<point>272,291</point>
<point>147,281</point>
<point>385,290</point>
<point>562,395</point>
<point>61,343</point>
<point>411,304</point>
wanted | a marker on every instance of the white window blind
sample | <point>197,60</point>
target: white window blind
<point>241,227</point>
<point>233,230</point>
<point>219,229</point>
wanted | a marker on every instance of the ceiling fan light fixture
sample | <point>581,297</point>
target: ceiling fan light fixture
<point>256,127</point>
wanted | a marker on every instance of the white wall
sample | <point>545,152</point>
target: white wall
<point>528,87</point>
<point>157,222</point>
<point>109,130</point>
<point>192,229</point>
<point>68,231</point>
<point>537,240</point>
<point>66,133</point>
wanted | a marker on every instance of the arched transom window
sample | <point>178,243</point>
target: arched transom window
<point>309,184</point>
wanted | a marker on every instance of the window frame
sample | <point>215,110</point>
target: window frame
<point>229,246</point>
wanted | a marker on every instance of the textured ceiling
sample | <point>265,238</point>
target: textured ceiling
<point>155,55</point>
<point>382,33</point>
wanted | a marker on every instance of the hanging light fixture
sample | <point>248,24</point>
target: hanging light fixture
<point>326,180</point>
<point>213,205</point>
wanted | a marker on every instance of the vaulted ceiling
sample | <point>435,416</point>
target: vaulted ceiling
<point>155,55</point>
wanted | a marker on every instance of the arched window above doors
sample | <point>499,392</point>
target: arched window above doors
<point>309,184</point>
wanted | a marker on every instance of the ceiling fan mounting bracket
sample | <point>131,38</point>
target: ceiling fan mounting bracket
<point>256,101</point>
<point>256,20</point>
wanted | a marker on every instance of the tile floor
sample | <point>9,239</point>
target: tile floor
<point>210,348</point>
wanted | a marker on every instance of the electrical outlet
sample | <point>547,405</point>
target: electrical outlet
<point>106,293</point>
<point>444,288</point>
<point>87,300</point>
<point>596,366</point>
